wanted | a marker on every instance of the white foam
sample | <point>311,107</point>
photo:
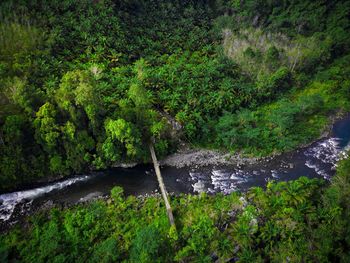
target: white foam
<point>317,169</point>
<point>328,152</point>
<point>200,180</point>
<point>9,201</point>
<point>220,180</point>
<point>199,187</point>
<point>274,174</point>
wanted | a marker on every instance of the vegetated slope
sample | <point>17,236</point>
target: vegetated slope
<point>297,221</point>
<point>238,75</point>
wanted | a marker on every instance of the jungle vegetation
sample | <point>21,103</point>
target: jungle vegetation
<point>306,220</point>
<point>255,77</point>
<point>88,84</point>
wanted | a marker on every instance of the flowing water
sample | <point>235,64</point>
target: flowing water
<point>315,161</point>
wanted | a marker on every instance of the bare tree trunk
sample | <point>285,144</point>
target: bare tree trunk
<point>298,51</point>
<point>162,185</point>
<point>296,58</point>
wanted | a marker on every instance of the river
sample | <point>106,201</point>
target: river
<point>317,160</point>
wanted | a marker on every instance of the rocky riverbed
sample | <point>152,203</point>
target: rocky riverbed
<point>189,171</point>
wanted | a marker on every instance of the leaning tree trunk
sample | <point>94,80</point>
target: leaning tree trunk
<point>162,185</point>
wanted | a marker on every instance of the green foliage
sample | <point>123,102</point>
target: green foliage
<point>47,131</point>
<point>301,220</point>
<point>106,251</point>
<point>88,83</point>
<point>19,159</point>
<point>125,133</point>
<point>19,41</point>
<point>146,245</point>
<point>117,194</point>
<point>288,122</point>
<point>278,82</point>
<point>95,81</point>
<point>77,92</point>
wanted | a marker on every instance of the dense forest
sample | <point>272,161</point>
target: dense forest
<point>305,220</point>
<point>85,85</point>
<point>253,77</point>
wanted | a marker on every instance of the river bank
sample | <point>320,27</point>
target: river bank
<point>187,156</point>
<point>214,173</point>
<point>190,157</point>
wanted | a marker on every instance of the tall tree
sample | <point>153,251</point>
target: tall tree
<point>146,121</point>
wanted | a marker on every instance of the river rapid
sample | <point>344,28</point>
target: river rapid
<point>317,160</point>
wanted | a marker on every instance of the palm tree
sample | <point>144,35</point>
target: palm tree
<point>146,120</point>
<point>162,185</point>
